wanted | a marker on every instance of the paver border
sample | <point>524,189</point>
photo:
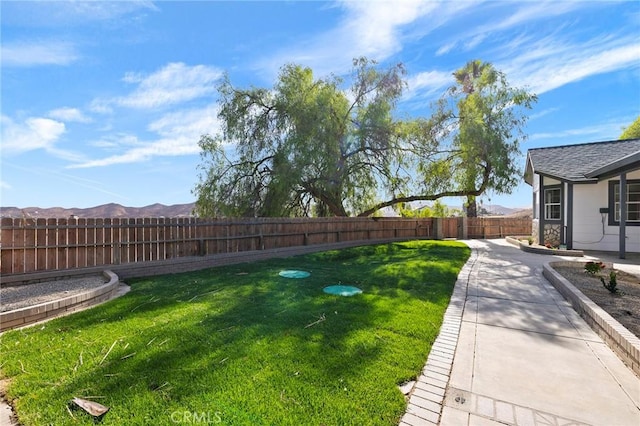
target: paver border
<point>32,314</point>
<point>624,343</point>
<point>426,399</point>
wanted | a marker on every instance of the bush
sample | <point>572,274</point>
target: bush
<point>612,284</point>
<point>593,267</point>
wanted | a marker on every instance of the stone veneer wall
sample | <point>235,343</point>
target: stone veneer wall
<point>551,235</point>
<point>535,223</point>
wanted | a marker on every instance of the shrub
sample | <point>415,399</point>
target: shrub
<point>593,267</point>
<point>612,284</point>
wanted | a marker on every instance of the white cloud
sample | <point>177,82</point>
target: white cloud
<point>446,48</point>
<point>104,10</point>
<point>101,106</point>
<point>33,133</point>
<point>117,141</point>
<point>190,123</point>
<point>159,148</point>
<point>542,63</point>
<point>179,135</point>
<point>71,13</point>
<point>496,21</point>
<point>4,185</point>
<point>374,29</point>
<point>172,84</point>
<point>69,115</point>
<point>550,64</point>
<point>605,130</point>
<point>543,113</point>
<point>428,84</point>
<point>30,54</point>
<point>529,12</point>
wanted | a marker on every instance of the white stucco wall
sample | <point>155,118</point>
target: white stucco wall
<point>588,230</point>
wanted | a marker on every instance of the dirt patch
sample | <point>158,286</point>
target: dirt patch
<point>624,306</point>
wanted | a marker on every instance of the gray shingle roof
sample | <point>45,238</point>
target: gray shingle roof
<point>576,163</point>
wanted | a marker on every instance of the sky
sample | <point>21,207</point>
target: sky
<point>105,102</point>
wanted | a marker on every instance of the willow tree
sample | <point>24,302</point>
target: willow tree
<point>471,142</point>
<point>309,147</point>
<point>306,146</point>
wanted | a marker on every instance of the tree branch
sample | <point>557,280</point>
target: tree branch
<point>460,193</point>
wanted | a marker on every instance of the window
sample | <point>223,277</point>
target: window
<point>632,201</point>
<point>552,207</point>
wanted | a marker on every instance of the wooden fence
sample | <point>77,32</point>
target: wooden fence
<point>496,227</point>
<point>35,245</point>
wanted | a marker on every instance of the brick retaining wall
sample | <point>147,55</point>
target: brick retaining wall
<point>624,343</point>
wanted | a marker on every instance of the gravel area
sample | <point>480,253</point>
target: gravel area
<point>624,306</point>
<point>21,296</point>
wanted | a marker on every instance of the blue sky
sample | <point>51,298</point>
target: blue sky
<point>106,101</point>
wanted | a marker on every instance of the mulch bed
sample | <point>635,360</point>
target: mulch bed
<point>624,305</point>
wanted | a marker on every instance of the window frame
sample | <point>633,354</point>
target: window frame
<point>614,214</point>
<point>549,204</point>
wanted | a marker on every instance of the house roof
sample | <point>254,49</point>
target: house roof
<point>586,162</point>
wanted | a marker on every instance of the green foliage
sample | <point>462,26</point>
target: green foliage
<point>593,268</point>
<point>490,122</point>
<point>237,342</point>
<point>437,209</point>
<point>304,147</point>
<point>633,131</point>
<point>309,147</point>
<point>612,285</point>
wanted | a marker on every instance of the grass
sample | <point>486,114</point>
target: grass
<point>241,345</point>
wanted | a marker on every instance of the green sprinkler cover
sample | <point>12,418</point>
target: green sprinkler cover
<point>342,290</point>
<point>292,273</point>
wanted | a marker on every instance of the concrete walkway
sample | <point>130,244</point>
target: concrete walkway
<point>513,351</point>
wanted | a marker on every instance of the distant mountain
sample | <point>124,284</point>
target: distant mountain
<point>177,210</point>
<point>104,211</point>
<point>497,210</point>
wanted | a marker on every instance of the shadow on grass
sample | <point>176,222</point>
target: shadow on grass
<point>252,347</point>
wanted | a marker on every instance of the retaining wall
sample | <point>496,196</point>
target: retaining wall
<point>624,343</point>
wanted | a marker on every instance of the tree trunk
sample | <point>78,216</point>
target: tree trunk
<point>472,207</point>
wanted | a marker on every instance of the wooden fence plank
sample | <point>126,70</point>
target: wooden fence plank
<point>6,243</point>
<point>41,245</point>
<point>28,245</point>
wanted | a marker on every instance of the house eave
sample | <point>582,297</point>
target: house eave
<point>568,180</point>
<point>626,164</point>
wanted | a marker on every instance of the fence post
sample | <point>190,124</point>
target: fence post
<point>438,229</point>
<point>202,247</point>
<point>116,252</point>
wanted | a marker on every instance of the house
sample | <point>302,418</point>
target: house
<point>577,191</point>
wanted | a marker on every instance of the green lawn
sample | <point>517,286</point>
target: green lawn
<point>242,345</point>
